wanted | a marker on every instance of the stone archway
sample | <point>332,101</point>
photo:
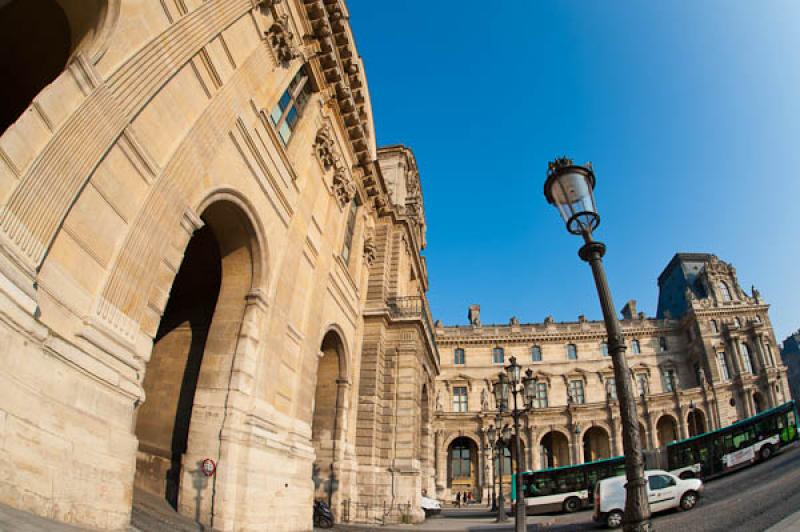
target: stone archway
<point>554,448</point>
<point>667,429</point>
<point>596,444</point>
<point>696,422</point>
<point>38,38</point>
<point>189,375</point>
<point>327,423</point>
<point>462,466</point>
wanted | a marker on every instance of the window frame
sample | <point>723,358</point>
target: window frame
<point>636,347</point>
<point>502,352</point>
<point>463,356</point>
<point>296,96</point>
<point>536,353</point>
<point>460,400</point>
<point>541,400</point>
<point>722,362</point>
<point>572,352</point>
<point>725,292</point>
<point>574,386</point>
<point>604,349</point>
<point>663,346</point>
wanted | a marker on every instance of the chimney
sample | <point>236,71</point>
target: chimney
<point>629,310</point>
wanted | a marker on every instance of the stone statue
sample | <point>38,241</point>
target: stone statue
<point>439,401</point>
<point>514,322</point>
<point>474,315</point>
<point>755,292</point>
<point>484,400</point>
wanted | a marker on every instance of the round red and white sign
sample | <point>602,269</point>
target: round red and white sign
<point>208,467</point>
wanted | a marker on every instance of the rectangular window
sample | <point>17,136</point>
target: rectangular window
<point>458,357</point>
<point>347,245</point>
<point>459,398</point>
<point>611,389</point>
<point>714,326</point>
<point>498,356</point>
<point>604,349</point>
<point>662,344</point>
<point>290,106</point>
<point>541,395</point>
<point>576,392</point>
<point>747,364</point>
<point>723,367</point>
<point>572,352</point>
<point>536,354</point>
<point>770,359</point>
<point>635,347</point>
<point>669,380</point>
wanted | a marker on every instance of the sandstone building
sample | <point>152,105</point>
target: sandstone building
<point>790,354</point>
<point>707,359</point>
<point>204,255</point>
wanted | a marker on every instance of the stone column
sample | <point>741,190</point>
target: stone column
<point>683,423</point>
<point>441,462</point>
<point>733,345</point>
<point>749,407</point>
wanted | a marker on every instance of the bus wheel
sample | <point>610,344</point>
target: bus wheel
<point>614,519</point>
<point>766,452</point>
<point>573,504</point>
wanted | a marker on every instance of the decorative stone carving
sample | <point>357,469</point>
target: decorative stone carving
<point>369,250</point>
<point>474,315</point>
<point>280,39</point>
<point>325,148</point>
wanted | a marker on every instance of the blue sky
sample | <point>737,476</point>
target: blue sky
<point>689,110</point>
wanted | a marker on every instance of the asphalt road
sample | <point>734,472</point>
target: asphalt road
<point>750,500</point>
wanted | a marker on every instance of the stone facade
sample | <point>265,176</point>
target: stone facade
<point>203,254</point>
<point>790,354</point>
<point>707,361</point>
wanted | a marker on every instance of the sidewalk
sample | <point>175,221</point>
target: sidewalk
<point>789,524</point>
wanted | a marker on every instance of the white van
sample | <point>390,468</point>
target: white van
<point>664,491</point>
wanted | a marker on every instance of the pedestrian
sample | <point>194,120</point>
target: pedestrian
<point>458,499</point>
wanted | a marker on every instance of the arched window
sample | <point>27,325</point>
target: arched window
<point>723,289</point>
<point>458,356</point>
<point>604,348</point>
<point>662,343</point>
<point>636,347</point>
<point>536,354</point>
<point>498,355</point>
<point>572,352</point>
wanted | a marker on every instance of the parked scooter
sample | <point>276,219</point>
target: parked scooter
<point>323,518</point>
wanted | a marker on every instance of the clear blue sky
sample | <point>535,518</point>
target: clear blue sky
<point>689,110</point>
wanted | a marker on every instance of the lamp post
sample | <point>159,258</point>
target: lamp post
<point>492,435</point>
<point>569,188</point>
<point>512,380</point>
<point>501,510</point>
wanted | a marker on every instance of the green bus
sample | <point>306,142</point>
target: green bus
<point>739,444</point>
<point>570,488</point>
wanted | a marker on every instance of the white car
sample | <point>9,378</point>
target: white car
<point>664,491</point>
<point>430,506</point>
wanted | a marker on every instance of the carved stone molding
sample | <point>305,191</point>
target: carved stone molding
<point>325,149</point>
<point>280,38</point>
<point>343,187</point>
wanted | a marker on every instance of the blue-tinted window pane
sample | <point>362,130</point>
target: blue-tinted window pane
<point>275,115</point>
<point>285,132</point>
<point>292,117</point>
<point>536,353</point>
<point>572,352</point>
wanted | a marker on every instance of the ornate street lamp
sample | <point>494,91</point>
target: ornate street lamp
<point>570,188</point>
<point>513,381</point>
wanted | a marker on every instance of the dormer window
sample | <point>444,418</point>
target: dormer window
<point>286,113</point>
<point>724,291</point>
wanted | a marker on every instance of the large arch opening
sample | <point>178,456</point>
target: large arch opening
<point>667,429</point>
<point>38,37</point>
<point>554,450</point>
<point>325,425</point>
<point>596,444</point>
<point>696,421</point>
<point>462,466</point>
<point>191,364</point>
